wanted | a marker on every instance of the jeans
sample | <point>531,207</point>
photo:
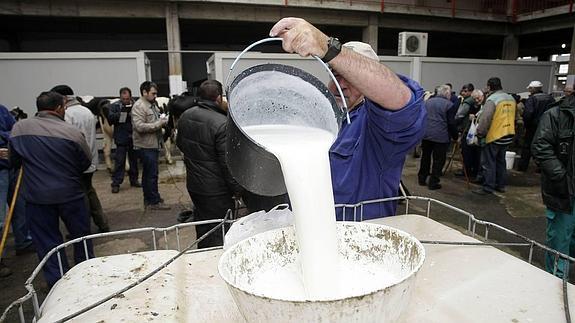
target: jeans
<point>4,186</point>
<point>210,208</point>
<point>93,202</point>
<point>120,165</point>
<point>494,166</point>
<point>439,152</point>
<point>149,158</point>
<point>523,162</point>
<point>44,221</point>
<point>560,227</point>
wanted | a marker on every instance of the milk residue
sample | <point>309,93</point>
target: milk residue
<point>304,158</point>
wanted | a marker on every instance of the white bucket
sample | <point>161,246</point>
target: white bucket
<point>362,243</point>
<point>509,159</point>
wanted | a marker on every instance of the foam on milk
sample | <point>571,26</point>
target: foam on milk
<point>304,158</point>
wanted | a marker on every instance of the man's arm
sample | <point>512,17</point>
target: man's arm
<point>529,110</point>
<point>221,156</point>
<point>543,149</point>
<point>376,81</point>
<point>114,113</point>
<point>484,122</point>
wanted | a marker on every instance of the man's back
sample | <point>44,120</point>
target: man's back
<point>83,119</point>
<point>535,106</point>
<point>54,155</point>
<point>436,129</point>
<point>201,137</point>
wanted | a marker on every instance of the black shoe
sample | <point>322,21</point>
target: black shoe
<point>500,189</point>
<point>115,189</point>
<point>104,230</point>
<point>459,173</point>
<point>477,180</point>
<point>481,191</point>
<point>434,187</point>
<point>422,182</point>
<point>136,184</point>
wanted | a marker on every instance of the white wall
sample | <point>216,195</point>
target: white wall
<point>25,75</point>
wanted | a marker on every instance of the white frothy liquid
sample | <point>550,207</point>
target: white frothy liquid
<point>304,158</point>
<point>319,273</point>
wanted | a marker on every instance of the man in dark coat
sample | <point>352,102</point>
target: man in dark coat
<point>553,151</point>
<point>537,103</point>
<point>202,138</point>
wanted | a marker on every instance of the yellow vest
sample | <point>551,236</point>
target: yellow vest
<point>503,122</point>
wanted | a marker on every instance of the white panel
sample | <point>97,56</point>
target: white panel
<point>24,76</point>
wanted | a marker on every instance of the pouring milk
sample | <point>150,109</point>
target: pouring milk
<point>303,153</point>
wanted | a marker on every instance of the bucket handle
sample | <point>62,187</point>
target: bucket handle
<point>265,40</point>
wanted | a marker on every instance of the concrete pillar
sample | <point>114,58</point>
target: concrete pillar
<point>572,57</point>
<point>174,59</point>
<point>510,47</point>
<point>370,33</point>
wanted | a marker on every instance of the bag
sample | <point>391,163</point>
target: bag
<point>471,137</point>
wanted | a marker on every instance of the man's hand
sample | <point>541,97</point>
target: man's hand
<point>301,37</point>
<point>3,153</point>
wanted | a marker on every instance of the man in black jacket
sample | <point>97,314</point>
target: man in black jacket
<point>201,138</point>
<point>553,150</point>
<point>537,103</point>
<point>120,116</point>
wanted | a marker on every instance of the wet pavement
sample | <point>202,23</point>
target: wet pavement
<point>519,209</point>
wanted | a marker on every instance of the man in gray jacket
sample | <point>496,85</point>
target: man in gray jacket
<point>438,129</point>
<point>147,123</point>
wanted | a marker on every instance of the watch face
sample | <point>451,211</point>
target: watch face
<point>412,43</point>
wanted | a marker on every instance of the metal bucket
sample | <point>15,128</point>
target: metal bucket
<point>272,94</point>
<point>362,243</point>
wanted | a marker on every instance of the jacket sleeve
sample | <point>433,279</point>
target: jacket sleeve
<point>139,121</point>
<point>221,155</point>
<point>13,156</point>
<point>543,149</point>
<point>451,123</point>
<point>462,112</point>
<point>484,122</point>
<point>114,113</point>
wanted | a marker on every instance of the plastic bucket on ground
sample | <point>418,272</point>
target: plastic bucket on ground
<point>510,159</point>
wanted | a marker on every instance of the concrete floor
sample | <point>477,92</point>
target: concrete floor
<point>519,209</point>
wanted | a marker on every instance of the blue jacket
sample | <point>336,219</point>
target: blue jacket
<point>6,124</point>
<point>54,154</point>
<point>122,130</point>
<point>440,119</point>
<point>368,155</point>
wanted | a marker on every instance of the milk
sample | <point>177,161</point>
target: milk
<point>303,153</point>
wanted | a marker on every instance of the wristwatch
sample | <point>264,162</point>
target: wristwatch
<point>333,49</point>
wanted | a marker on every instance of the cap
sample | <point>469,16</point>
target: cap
<point>362,49</point>
<point>535,84</point>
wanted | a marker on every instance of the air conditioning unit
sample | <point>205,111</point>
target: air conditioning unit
<point>412,44</point>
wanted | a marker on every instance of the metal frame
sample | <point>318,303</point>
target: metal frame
<point>357,209</point>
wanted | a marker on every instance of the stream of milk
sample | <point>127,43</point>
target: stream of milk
<point>304,158</point>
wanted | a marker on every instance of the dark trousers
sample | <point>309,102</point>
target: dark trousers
<point>471,158</point>
<point>20,229</point>
<point>93,202</point>
<point>149,158</point>
<point>209,208</point>
<point>44,222</point>
<point>439,153</point>
<point>493,164</point>
<point>120,165</point>
<point>523,162</point>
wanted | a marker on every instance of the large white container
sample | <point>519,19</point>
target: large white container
<point>509,159</point>
<point>362,243</point>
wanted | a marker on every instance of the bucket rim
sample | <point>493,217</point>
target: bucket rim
<point>409,275</point>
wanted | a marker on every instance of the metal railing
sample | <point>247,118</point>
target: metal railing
<point>473,224</point>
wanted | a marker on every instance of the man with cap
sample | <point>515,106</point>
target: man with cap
<point>386,110</point>
<point>83,119</point>
<point>537,103</point>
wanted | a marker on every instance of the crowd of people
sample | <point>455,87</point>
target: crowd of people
<point>389,117</point>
